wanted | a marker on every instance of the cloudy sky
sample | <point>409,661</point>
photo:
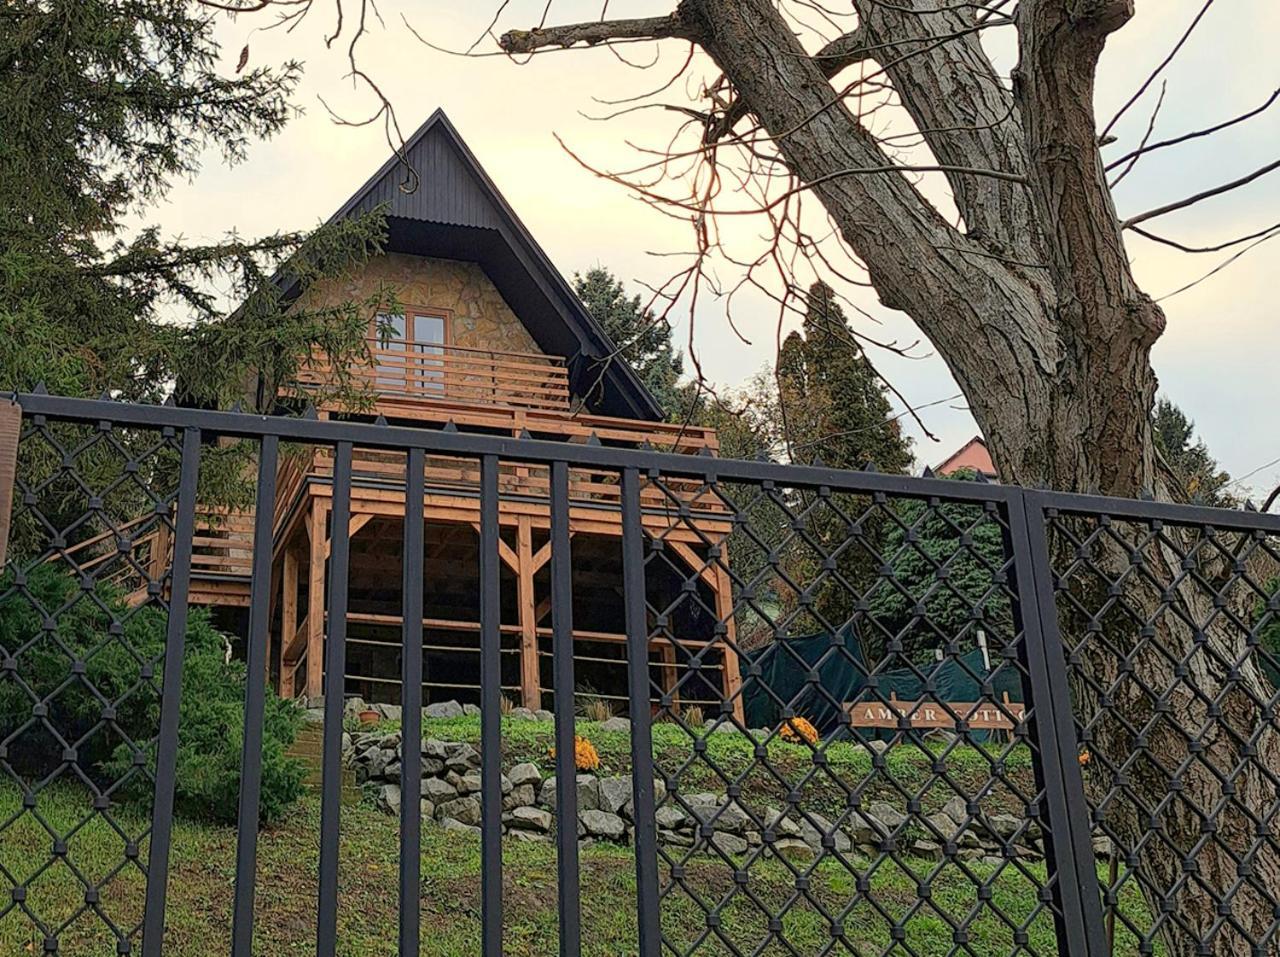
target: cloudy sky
<point>1218,359</point>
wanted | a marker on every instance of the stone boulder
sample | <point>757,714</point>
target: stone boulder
<point>604,825</point>
<point>588,793</point>
<point>389,798</point>
<point>443,709</point>
<point>453,824</point>
<point>888,815</point>
<point>615,793</point>
<point>530,818</point>
<point>462,759</point>
<point>466,810</point>
<point>718,810</point>
<point>522,795</point>
<point>526,773</point>
<point>438,790</point>
<point>823,836</point>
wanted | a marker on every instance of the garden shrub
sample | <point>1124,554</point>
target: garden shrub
<point>93,632</point>
<point>585,755</point>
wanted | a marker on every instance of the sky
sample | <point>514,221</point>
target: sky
<point>1217,360</point>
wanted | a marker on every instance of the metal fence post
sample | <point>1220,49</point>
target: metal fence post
<point>1068,843</point>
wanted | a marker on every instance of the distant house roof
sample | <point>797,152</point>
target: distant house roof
<point>456,212</point>
<point>973,455</point>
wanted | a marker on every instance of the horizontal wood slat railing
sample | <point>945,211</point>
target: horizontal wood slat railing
<point>223,542</point>
<point>418,371</point>
<point>593,487</point>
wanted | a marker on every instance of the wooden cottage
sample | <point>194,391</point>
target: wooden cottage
<point>491,339</point>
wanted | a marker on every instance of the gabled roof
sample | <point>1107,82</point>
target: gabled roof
<point>456,212</point>
<point>972,455</point>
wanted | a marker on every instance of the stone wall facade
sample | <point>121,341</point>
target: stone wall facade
<point>479,317</point>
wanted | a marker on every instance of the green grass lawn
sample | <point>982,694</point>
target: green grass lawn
<point>203,865</point>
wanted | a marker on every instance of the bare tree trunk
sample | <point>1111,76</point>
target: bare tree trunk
<point>1184,743</point>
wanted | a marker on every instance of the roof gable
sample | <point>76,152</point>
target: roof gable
<point>972,455</point>
<point>456,212</point>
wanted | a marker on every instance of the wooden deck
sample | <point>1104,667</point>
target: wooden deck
<point>487,392</point>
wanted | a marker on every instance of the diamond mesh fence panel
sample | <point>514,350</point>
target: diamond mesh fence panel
<point>1172,637</point>
<point>83,613</point>
<point>846,752</point>
<point>880,715</point>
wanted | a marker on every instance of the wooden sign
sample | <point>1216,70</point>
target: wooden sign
<point>980,715</point>
<point>10,426</point>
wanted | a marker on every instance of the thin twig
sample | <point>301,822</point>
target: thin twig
<point>1207,194</point>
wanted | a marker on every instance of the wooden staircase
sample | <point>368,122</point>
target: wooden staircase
<point>308,747</point>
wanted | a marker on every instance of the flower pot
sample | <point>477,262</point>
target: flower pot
<point>369,716</point>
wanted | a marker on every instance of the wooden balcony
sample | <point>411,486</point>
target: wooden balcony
<point>418,372</point>
<point>453,486</point>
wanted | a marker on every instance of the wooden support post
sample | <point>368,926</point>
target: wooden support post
<point>315,601</point>
<point>288,618</point>
<point>667,672</point>
<point>724,612</point>
<point>161,545</point>
<point>530,676</point>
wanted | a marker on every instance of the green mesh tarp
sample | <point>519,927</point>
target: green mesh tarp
<point>818,674</point>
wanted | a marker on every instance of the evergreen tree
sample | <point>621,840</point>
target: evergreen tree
<point>944,563</point>
<point>642,338</point>
<point>834,405</point>
<point>103,103</point>
<point>1188,457</point>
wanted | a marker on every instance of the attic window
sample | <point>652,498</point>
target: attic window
<point>411,359</point>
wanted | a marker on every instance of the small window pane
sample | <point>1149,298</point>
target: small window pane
<point>428,330</point>
<point>394,325</point>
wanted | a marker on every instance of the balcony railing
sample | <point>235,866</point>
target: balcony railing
<point>416,370</point>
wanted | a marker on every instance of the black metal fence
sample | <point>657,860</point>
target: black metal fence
<point>868,714</point>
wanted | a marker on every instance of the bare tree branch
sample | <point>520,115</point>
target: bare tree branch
<point>1197,133</point>
<point>1151,126</point>
<point>1159,68</point>
<point>1199,197</point>
<point>592,33</point>
<point>1205,249</point>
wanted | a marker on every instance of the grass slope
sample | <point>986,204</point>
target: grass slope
<point>867,898</point>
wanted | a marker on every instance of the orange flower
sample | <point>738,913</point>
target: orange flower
<point>1085,758</point>
<point>799,729</point>
<point>585,756</point>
